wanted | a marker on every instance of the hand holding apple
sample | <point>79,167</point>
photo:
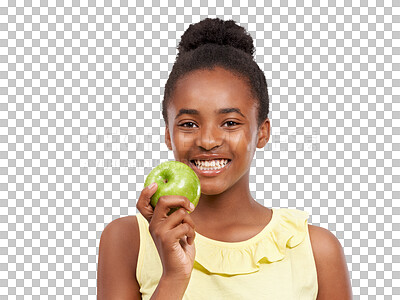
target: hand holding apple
<point>174,178</point>
<point>173,233</point>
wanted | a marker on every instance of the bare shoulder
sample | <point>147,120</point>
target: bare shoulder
<point>323,241</point>
<point>333,275</point>
<point>118,253</point>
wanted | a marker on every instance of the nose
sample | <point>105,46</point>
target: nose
<point>209,138</point>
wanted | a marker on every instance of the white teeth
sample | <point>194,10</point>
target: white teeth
<point>211,165</point>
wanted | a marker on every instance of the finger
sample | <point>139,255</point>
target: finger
<point>190,239</point>
<point>178,217</point>
<point>143,204</point>
<point>181,231</point>
<point>165,203</point>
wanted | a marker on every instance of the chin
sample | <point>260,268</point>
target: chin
<point>210,191</point>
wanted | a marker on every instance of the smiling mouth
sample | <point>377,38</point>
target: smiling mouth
<point>209,165</point>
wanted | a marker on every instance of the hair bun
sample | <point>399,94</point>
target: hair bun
<point>216,31</point>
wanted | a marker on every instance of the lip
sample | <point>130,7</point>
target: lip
<point>208,173</point>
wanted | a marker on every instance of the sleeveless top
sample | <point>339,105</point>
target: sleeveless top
<point>277,263</point>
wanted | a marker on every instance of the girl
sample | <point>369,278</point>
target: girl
<point>215,109</point>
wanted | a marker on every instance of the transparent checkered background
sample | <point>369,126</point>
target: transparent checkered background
<point>81,84</point>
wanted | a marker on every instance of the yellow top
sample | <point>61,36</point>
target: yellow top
<point>277,263</point>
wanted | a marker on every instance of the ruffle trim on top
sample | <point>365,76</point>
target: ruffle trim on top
<point>286,229</point>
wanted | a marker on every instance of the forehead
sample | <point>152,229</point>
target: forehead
<point>209,90</point>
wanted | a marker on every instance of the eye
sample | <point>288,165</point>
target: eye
<point>187,125</point>
<point>232,123</point>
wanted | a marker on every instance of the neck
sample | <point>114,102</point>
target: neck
<point>235,203</point>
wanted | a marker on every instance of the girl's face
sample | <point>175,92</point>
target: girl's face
<point>212,115</point>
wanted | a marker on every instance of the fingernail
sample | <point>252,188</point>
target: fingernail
<point>152,185</point>
<point>191,206</point>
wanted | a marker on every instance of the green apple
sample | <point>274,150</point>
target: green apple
<point>174,178</point>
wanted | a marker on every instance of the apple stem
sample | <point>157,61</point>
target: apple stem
<point>165,180</point>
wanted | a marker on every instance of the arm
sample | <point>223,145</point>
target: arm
<point>116,273</point>
<point>118,252</point>
<point>333,276</point>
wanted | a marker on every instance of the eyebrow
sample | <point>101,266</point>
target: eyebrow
<point>220,111</point>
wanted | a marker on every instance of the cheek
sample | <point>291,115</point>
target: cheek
<point>182,141</point>
<point>246,141</point>
<point>237,141</point>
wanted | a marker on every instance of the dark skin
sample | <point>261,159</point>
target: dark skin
<point>226,210</point>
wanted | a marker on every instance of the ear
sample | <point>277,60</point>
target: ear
<point>168,138</point>
<point>264,132</point>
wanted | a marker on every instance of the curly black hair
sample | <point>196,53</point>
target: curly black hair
<point>216,43</point>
